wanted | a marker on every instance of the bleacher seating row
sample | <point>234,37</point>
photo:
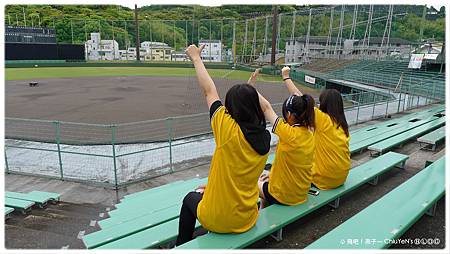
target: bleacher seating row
<point>23,202</point>
<point>327,65</point>
<point>149,219</point>
<point>387,74</point>
<point>387,219</point>
<point>384,74</point>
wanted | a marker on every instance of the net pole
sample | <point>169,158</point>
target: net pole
<point>253,54</point>
<point>244,49</point>
<point>58,145</point>
<point>174,36</point>
<point>113,146</point>
<point>113,41</point>
<point>71,29</point>
<point>293,25</point>
<point>307,36</point>
<point>85,30</point>
<point>265,36</point>
<point>186,32</point>
<point>234,43</point>
<point>330,31</point>
<point>210,38</point>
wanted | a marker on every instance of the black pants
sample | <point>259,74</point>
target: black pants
<point>188,216</point>
<point>268,197</point>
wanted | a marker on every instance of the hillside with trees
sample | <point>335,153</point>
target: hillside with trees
<point>169,24</point>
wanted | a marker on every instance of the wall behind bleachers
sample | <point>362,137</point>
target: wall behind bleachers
<point>34,51</point>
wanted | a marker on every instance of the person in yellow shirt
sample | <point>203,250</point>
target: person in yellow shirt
<point>331,136</point>
<point>228,203</point>
<point>290,177</point>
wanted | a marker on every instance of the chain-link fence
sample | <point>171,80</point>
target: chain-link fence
<point>120,154</point>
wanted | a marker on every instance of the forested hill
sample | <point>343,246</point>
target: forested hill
<point>75,22</point>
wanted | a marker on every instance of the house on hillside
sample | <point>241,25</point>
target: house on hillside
<point>156,51</point>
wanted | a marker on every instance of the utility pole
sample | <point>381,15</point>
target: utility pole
<point>136,21</point>
<point>24,19</point>
<point>274,33</point>
<point>234,43</point>
<point>355,18</point>
<point>424,15</point>
<point>330,32</point>
<point>307,36</point>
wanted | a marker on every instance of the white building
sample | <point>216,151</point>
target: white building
<point>98,49</point>
<point>156,51</point>
<point>320,47</point>
<point>212,51</point>
<point>130,54</point>
<point>179,56</point>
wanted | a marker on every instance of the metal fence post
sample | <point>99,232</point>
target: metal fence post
<point>357,112</point>
<point>169,130</point>
<point>6,162</point>
<point>418,99</point>
<point>113,144</point>
<point>387,103</point>
<point>404,99</point>
<point>58,140</point>
<point>434,92</point>
<point>374,103</point>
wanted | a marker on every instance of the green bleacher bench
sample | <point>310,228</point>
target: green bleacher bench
<point>38,199</point>
<point>51,196</point>
<point>363,139</point>
<point>137,217</point>
<point>166,232</point>
<point>390,216</point>
<point>151,190</point>
<point>275,217</point>
<point>432,138</point>
<point>145,204</point>
<point>149,196</point>
<point>8,211</point>
<point>410,116</point>
<point>387,144</point>
<point>168,214</point>
<point>19,204</point>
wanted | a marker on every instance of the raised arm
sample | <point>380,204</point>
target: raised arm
<point>267,109</point>
<point>289,84</point>
<point>204,80</point>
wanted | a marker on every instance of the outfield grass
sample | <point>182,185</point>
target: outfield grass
<point>74,72</point>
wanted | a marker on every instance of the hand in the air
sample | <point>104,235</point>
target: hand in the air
<point>285,72</point>
<point>252,80</point>
<point>194,52</point>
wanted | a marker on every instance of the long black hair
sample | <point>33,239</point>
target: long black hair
<point>242,103</point>
<point>332,104</point>
<point>302,108</point>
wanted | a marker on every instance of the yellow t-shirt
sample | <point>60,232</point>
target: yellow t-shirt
<point>229,203</point>
<point>290,176</point>
<point>332,155</point>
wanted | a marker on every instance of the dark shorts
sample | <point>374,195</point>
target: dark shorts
<point>269,198</point>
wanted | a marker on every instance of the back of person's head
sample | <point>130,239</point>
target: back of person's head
<point>331,103</point>
<point>242,103</point>
<point>301,108</point>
